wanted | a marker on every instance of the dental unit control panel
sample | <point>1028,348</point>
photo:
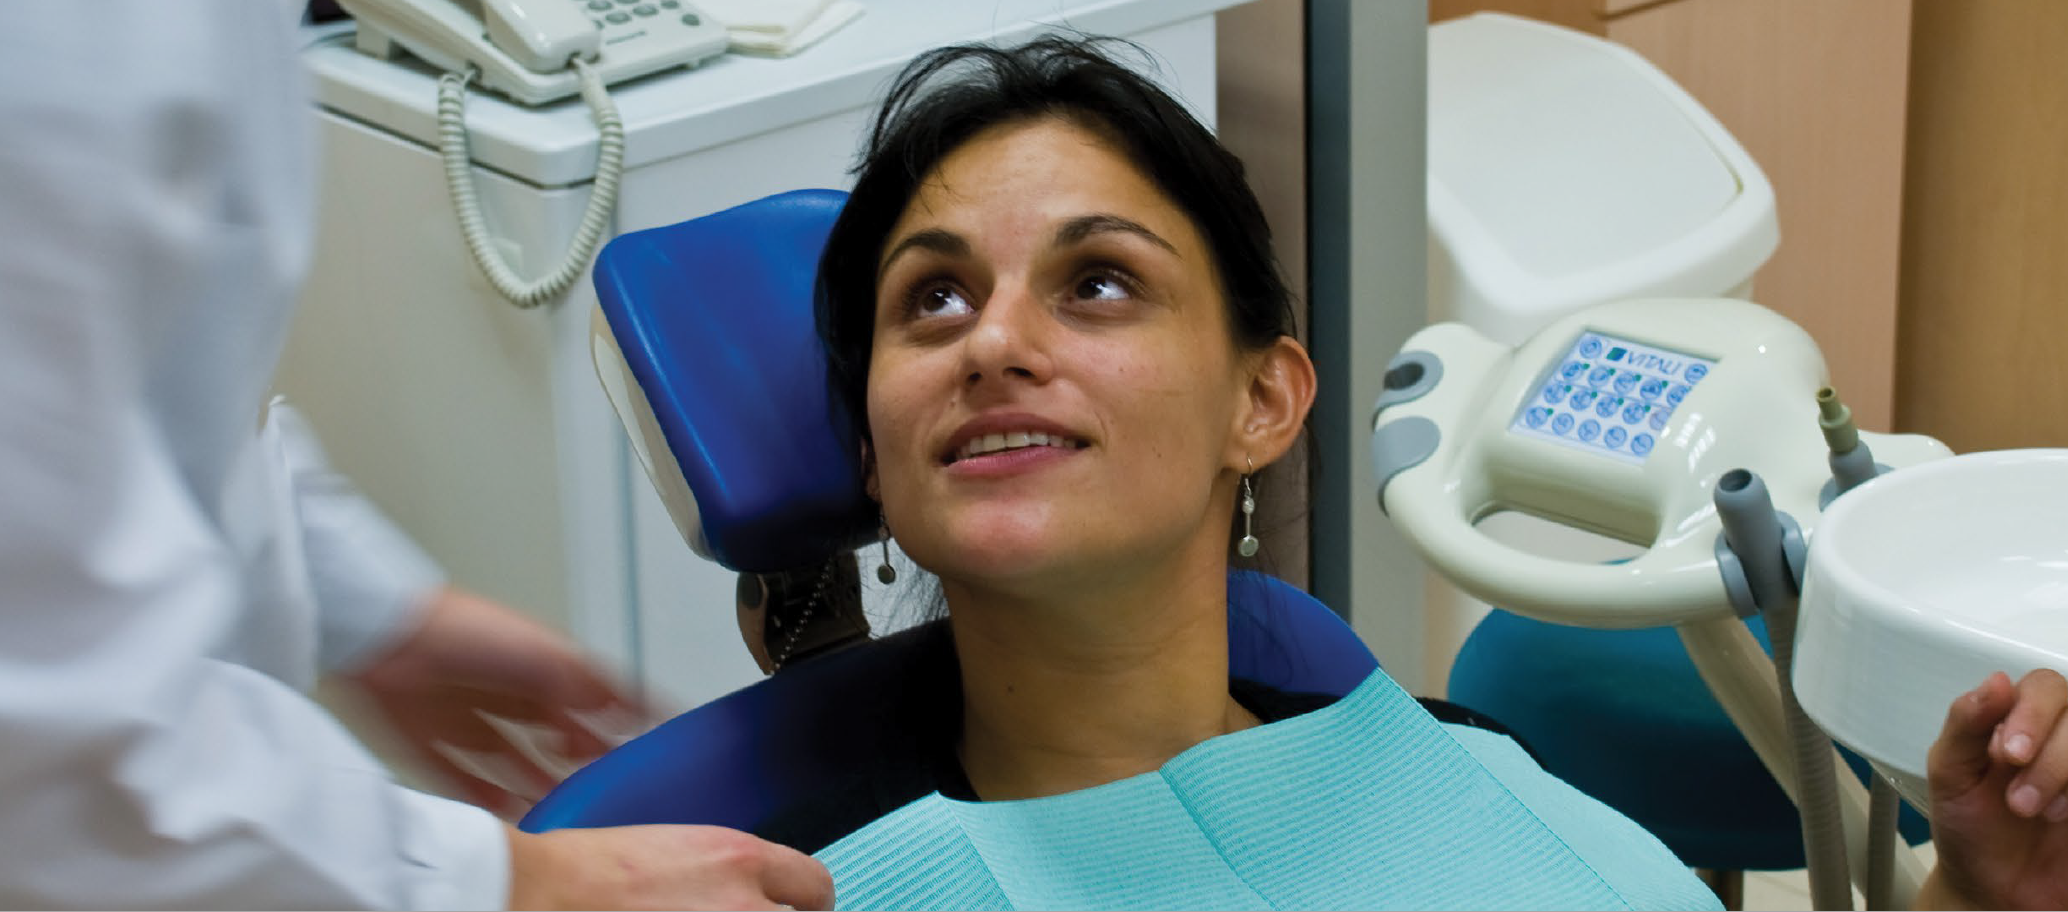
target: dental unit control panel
<point>1618,420</point>
<point>1611,396</point>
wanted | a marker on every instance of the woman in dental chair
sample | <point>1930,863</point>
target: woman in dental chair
<point>1052,297</point>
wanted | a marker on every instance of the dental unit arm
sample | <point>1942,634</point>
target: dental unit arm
<point>1621,420</point>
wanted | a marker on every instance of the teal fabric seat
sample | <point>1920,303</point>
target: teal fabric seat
<point>1624,717</point>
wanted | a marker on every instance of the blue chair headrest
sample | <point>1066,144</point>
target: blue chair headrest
<point>709,352</point>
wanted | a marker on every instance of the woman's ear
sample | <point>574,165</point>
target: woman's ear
<point>1275,405</point>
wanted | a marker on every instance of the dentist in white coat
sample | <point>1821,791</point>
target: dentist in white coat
<point>177,565</point>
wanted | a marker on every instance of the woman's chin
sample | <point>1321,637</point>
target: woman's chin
<point>1001,560</point>
<point>1003,555</point>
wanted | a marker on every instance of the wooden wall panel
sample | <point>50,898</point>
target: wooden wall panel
<point>1816,93</point>
<point>1984,341</point>
<point>1584,15</point>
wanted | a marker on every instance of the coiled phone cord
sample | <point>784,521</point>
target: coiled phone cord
<point>459,179</point>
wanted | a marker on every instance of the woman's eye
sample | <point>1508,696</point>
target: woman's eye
<point>1101,287</point>
<point>939,300</point>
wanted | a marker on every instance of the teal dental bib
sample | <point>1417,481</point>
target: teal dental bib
<point>1367,803</point>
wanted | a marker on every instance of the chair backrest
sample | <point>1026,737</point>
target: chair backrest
<point>706,344</point>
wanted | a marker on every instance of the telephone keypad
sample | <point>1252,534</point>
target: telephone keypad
<point>609,14</point>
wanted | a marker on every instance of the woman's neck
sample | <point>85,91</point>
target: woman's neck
<point>1091,688</point>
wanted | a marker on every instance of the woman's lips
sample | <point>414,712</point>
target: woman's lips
<point>1010,462</point>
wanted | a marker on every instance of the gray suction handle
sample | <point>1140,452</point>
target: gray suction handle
<point>1753,532</point>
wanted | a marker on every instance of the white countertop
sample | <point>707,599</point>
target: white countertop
<point>731,97</point>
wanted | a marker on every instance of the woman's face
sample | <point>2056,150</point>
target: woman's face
<point>1053,393</point>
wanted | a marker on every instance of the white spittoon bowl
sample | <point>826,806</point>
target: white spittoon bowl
<point>1921,583</point>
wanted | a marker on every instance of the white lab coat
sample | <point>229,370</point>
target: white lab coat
<point>171,583</point>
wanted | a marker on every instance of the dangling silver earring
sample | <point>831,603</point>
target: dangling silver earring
<point>1248,546</point>
<point>885,573</point>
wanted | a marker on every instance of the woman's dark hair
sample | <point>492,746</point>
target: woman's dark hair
<point>947,96</point>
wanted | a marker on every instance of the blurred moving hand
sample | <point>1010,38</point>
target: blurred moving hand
<point>471,661</point>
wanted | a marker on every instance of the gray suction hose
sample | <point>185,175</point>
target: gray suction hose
<point>1753,531</point>
<point>1852,464</point>
<point>1883,808</point>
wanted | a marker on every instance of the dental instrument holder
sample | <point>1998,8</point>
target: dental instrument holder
<point>1852,462</point>
<point>1468,427</point>
<point>1852,465</point>
<point>1754,557</point>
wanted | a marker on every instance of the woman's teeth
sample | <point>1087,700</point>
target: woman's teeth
<point>992,443</point>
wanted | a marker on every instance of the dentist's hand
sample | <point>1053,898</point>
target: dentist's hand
<point>470,655</point>
<point>1998,774</point>
<point>662,867</point>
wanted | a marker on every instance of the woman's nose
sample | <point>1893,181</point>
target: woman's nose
<point>1010,339</point>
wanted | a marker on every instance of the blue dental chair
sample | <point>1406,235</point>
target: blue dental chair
<point>706,344</point>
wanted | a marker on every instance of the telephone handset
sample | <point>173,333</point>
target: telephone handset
<point>536,51</point>
<point>523,48</point>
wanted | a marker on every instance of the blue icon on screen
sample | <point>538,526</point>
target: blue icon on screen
<point>1634,412</point>
<point>1641,444</point>
<point>1695,372</point>
<point>1601,375</point>
<point>1626,382</point>
<point>1556,391</point>
<point>1590,348</point>
<point>1537,416</point>
<point>1659,419</point>
<point>1615,437</point>
<point>1608,406</point>
<point>1562,424</point>
<point>1570,370</point>
<point>1652,388</point>
<point>1677,393</point>
<point>1589,428</point>
<point>1582,398</point>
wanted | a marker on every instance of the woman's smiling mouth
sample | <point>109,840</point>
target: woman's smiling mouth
<point>1010,441</point>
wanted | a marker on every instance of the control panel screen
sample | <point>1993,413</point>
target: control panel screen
<point>1610,396</point>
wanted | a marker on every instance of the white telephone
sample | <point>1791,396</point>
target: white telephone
<point>524,48</point>
<point>536,51</point>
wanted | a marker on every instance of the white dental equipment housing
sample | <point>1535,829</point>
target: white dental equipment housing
<point>1566,170</point>
<point>1698,388</point>
<point>1923,582</point>
<point>1468,427</point>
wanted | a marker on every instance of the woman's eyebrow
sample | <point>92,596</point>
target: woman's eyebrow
<point>938,240</point>
<point>1084,226</point>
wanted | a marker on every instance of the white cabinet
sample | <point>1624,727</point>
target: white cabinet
<point>482,427</point>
